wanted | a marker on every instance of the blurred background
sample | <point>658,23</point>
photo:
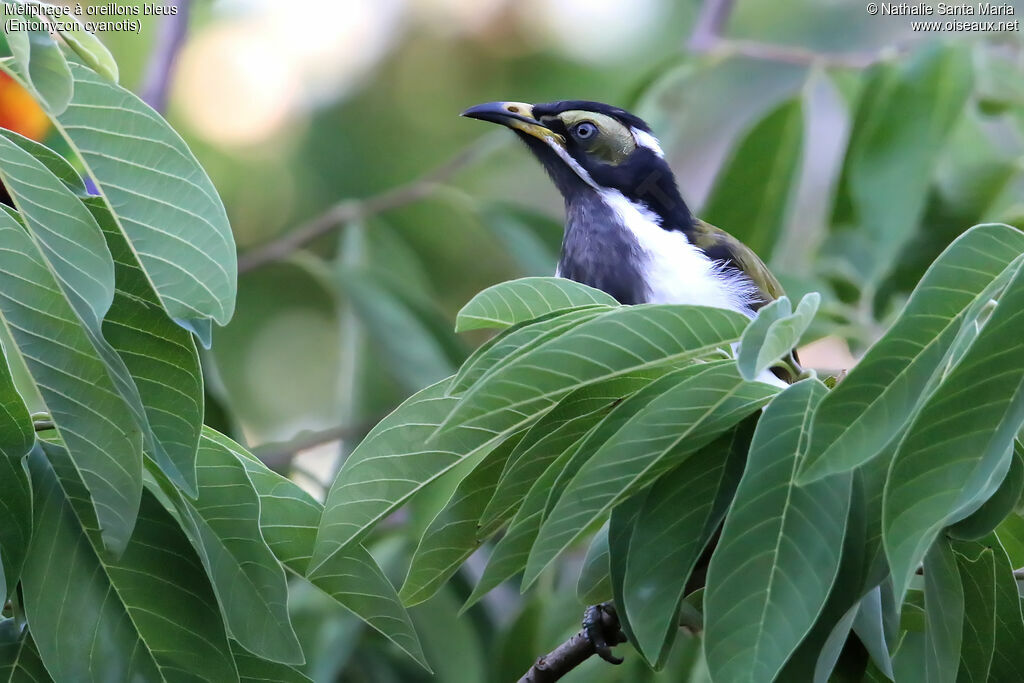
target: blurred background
<point>847,149</point>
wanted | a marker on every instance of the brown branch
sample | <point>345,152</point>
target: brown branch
<point>348,210</point>
<point>561,660</point>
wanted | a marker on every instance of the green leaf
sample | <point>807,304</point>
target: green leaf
<point>668,538</point>
<point>1006,659</point>
<point>869,625</point>
<point>19,658</point>
<point>516,301</point>
<point>93,419</point>
<point>288,520</point>
<point>594,584</point>
<point>1011,537</point>
<point>162,200</point>
<point>752,191</point>
<point>223,524</point>
<point>986,518</point>
<point>557,431</point>
<point>944,610</point>
<point>48,72</point>
<point>512,550</point>
<point>977,575</point>
<point>870,406</point>
<point>87,46</point>
<point>149,615</point>
<point>761,601</point>
<point>393,462</point>
<point>774,333</point>
<point>16,438</point>
<point>683,417</point>
<point>517,340</point>
<point>453,645</point>
<point>452,535</point>
<point>161,357</point>
<point>55,163</point>
<point>417,357</point>
<point>621,525</point>
<point>624,340</point>
<point>900,125</point>
<point>961,441</point>
<point>65,231</point>
<point>253,669</point>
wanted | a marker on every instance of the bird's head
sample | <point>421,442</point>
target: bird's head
<point>592,147</point>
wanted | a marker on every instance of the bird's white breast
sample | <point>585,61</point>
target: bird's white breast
<point>676,271</point>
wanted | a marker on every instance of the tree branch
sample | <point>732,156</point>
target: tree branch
<point>707,39</point>
<point>169,42</point>
<point>561,660</point>
<point>348,210</point>
<point>278,456</point>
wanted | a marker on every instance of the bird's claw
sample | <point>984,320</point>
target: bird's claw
<point>601,626</point>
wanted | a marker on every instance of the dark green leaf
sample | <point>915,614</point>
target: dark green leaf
<point>977,575</point>
<point>552,435</point>
<point>19,658</point>
<point>985,519</point>
<point>453,534</point>
<point>944,610</point>
<point>622,341</point>
<point>669,537</point>
<point>162,200</point>
<point>905,115</point>
<point>92,417</point>
<point>594,585</point>
<point>690,409</point>
<point>761,601</point>
<point>253,669</point>
<point>517,340</point>
<point>288,520</point>
<point>149,615</point>
<point>223,524</point>
<point>512,550</point>
<point>16,438</point>
<point>161,357</point>
<point>752,191</point>
<point>870,406</point>
<point>961,441</point>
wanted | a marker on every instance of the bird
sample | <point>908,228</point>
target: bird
<point>628,231</point>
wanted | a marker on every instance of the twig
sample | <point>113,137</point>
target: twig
<point>277,456</point>
<point>348,210</point>
<point>561,660</point>
<point>707,39</point>
<point>169,42</point>
<point>789,54</point>
<point>707,31</point>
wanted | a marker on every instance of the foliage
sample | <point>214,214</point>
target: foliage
<point>868,528</point>
<point>134,542</point>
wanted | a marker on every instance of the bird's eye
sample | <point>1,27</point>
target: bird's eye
<point>584,131</point>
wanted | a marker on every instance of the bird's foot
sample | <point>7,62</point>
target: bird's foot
<point>602,628</point>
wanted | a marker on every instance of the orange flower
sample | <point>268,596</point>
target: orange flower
<point>19,111</point>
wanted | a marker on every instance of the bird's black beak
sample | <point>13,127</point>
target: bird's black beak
<point>515,115</point>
